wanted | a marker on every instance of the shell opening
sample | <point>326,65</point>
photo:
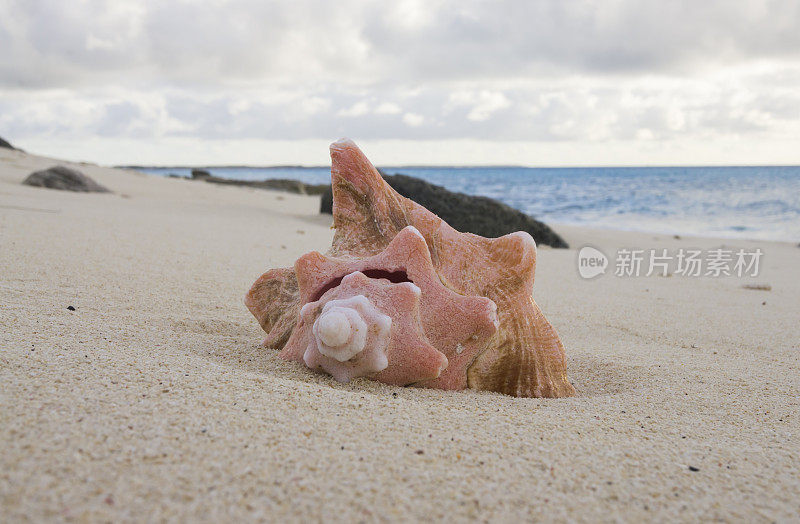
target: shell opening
<point>395,277</point>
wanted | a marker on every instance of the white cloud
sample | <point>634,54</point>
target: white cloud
<point>358,109</point>
<point>388,108</point>
<point>356,41</point>
<point>482,103</point>
<point>314,105</point>
<point>546,73</point>
<point>413,119</point>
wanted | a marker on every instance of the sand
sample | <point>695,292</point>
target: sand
<point>153,399</point>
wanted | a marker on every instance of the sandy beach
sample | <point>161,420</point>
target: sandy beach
<point>153,400</point>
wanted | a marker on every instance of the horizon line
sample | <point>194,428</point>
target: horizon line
<point>443,166</point>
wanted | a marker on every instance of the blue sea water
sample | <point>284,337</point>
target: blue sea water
<point>731,202</point>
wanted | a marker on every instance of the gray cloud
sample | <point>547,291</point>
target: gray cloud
<point>533,112</point>
<point>543,71</point>
<point>56,43</point>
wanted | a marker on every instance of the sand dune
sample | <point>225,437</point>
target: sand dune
<point>154,400</point>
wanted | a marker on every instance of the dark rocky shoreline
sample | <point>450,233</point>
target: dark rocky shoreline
<point>471,214</point>
<point>6,144</point>
<point>279,184</point>
<point>467,213</point>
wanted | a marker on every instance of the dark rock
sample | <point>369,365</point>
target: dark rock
<point>200,174</point>
<point>5,144</point>
<point>316,189</point>
<point>64,178</point>
<point>326,202</point>
<point>469,214</point>
<point>279,184</point>
<point>289,186</point>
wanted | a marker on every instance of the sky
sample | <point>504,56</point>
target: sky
<point>540,83</point>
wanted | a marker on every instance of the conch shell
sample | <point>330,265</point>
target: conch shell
<point>457,325</point>
<point>476,301</point>
<point>366,327</point>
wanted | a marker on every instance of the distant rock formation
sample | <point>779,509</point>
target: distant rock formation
<point>280,184</point>
<point>200,174</point>
<point>4,143</point>
<point>470,214</point>
<point>64,178</point>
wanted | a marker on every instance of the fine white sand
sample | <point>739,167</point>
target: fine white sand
<point>153,400</point>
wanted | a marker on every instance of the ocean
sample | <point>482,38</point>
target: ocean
<point>731,202</point>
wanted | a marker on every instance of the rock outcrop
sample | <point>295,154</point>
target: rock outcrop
<point>64,178</point>
<point>469,214</point>
<point>200,174</point>
<point>279,184</point>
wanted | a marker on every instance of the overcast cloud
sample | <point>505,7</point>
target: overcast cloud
<point>614,82</point>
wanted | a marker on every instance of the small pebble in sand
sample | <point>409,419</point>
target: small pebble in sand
<point>692,468</point>
<point>71,308</point>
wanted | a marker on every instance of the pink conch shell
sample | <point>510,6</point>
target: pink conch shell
<point>366,327</point>
<point>459,326</point>
<point>273,301</point>
<point>524,358</point>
